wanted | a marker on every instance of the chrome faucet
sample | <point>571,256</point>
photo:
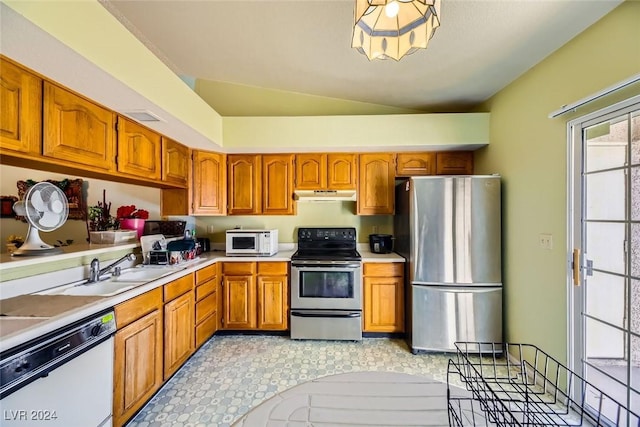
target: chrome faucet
<point>95,272</point>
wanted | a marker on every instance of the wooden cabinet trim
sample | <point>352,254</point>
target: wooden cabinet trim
<point>178,287</point>
<point>273,268</point>
<point>133,309</point>
<point>206,273</point>
<point>238,268</point>
<point>383,269</point>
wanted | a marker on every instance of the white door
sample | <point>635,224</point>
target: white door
<point>605,232</point>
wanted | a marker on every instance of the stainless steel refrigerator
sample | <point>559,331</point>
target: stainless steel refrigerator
<point>449,230</point>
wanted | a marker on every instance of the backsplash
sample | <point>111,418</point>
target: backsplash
<point>323,214</point>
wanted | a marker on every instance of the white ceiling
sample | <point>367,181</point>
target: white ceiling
<point>304,46</point>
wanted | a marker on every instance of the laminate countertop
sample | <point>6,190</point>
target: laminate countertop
<point>34,324</point>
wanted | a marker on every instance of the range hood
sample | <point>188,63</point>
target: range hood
<point>325,195</point>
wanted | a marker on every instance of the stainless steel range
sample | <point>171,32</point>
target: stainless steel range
<point>326,285</point>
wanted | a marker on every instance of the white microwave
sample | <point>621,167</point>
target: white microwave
<point>252,242</point>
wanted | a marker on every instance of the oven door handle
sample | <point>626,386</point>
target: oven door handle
<point>325,314</point>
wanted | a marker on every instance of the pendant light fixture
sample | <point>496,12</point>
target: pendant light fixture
<point>393,28</point>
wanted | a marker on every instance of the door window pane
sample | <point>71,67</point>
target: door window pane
<point>635,193</point>
<point>606,144</point>
<point>605,246</point>
<point>635,137</point>
<point>605,195</point>
<point>605,300</point>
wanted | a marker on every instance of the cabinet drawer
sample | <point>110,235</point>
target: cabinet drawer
<point>178,287</point>
<point>383,269</point>
<point>238,268</point>
<point>272,268</point>
<point>205,289</point>
<point>206,307</point>
<point>137,307</point>
<point>206,273</point>
<point>206,329</point>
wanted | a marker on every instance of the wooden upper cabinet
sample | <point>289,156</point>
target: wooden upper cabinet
<point>244,184</point>
<point>175,162</point>
<point>414,164</point>
<point>454,163</point>
<point>277,179</point>
<point>311,171</point>
<point>335,171</point>
<point>20,109</point>
<point>376,184</point>
<point>77,130</point>
<point>342,173</point>
<point>209,183</point>
<point>139,150</point>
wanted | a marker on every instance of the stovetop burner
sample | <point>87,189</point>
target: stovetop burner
<point>324,244</point>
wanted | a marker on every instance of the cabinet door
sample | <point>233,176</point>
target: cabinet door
<point>77,131</point>
<point>20,109</point>
<point>277,178</point>
<point>272,302</point>
<point>175,162</point>
<point>311,171</point>
<point>245,184</point>
<point>209,183</point>
<point>383,297</point>
<point>454,163</point>
<point>376,191</point>
<point>138,365</point>
<point>239,302</point>
<point>178,332</point>
<point>139,150</point>
<point>342,171</point>
<point>414,164</point>
<point>383,304</point>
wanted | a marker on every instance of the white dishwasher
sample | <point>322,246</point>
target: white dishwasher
<point>62,379</point>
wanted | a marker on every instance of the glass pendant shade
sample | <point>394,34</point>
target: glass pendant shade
<point>393,28</point>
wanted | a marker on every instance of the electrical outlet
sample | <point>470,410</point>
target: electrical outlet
<point>545,241</point>
<point>210,229</point>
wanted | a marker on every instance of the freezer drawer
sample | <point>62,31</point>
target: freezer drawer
<point>442,315</point>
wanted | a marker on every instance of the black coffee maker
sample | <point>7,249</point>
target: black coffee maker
<point>381,243</point>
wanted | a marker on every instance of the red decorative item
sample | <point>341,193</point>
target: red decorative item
<point>130,211</point>
<point>131,218</point>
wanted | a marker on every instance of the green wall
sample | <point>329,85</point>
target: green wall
<point>530,151</point>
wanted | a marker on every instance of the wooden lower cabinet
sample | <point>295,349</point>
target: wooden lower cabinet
<point>206,313</point>
<point>255,295</point>
<point>179,323</point>
<point>138,354</point>
<point>383,297</point>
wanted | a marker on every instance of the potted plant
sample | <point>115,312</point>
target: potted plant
<point>132,218</point>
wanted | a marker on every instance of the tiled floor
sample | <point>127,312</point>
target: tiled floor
<point>230,375</point>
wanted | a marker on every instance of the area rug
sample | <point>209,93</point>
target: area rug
<point>355,399</point>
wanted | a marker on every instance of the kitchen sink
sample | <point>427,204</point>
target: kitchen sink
<point>105,288</point>
<point>141,274</point>
<point>128,279</point>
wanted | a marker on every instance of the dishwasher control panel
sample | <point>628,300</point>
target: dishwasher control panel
<point>34,359</point>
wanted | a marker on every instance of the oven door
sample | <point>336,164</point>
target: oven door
<point>333,285</point>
